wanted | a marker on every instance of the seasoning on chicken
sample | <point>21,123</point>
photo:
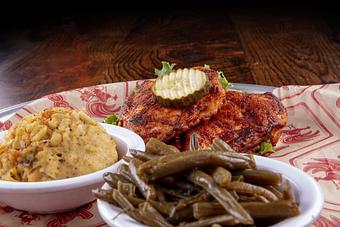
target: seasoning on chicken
<point>244,122</point>
<point>145,116</point>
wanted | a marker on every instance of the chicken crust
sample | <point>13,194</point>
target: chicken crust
<point>145,116</point>
<point>244,121</point>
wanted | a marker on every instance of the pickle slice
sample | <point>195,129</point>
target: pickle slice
<point>181,88</point>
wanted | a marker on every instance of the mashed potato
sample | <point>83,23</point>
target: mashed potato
<point>56,143</point>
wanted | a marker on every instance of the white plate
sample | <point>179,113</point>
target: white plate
<point>307,192</point>
<point>62,195</point>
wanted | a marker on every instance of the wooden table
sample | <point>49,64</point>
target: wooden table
<point>265,45</point>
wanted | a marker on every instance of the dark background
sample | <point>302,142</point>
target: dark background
<point>52,46</point>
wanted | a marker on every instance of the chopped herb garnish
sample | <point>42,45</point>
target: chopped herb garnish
<point>166,68</point>
<point>112,120</point>
<point>265,147</point>
<point>223,80</point>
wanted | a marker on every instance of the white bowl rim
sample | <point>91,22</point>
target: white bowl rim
<point>132,140</point>
<point>303,219</point>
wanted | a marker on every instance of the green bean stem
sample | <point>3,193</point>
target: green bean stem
<point>151,214</point>
<point>221,195</point>
<point>261,177</point>
<point>221,176</point>
<point>157,147</point>
<point>279,209</point>
<point>143,156</point>
<point>179,162</point>
<point>249,189</point>
<point>148,190</point>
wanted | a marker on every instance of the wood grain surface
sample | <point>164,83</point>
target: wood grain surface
<point>251,45</point>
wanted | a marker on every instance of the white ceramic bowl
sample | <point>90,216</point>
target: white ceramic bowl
<point>307,193</point>
<point>62,195</point>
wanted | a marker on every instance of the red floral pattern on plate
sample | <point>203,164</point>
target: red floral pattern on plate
<point>304,130</point>
<point>58,100</point>
<point>61,220</point>
<point>99,102</point>
<point>310,142</point>
<point>332,221</point>
<point>6,209</point>
<point>338,103</point>
<point>329,167</point>
<point>27,219</point>
<point>6,125</point>
<point>328,106</point>
<point>298,135</point>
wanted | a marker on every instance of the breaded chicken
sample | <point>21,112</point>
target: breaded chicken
<point>244,121</point>
<point>145,116</point>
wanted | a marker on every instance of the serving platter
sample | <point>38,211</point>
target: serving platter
<point>310,141</point>
<point>5,113</point>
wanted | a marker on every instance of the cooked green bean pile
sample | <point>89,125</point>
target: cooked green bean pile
<point>165,187</point>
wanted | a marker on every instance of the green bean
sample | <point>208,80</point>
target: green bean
<point>249,189</point>
<point>113,178</point>
<point>261,177</point>
<point>173,192</point>
<point>274,190</point>
<point>216,225</point>
<point>148,190</point>
<point>223,219</point>
<point>122,201</point>
<point>157,147</point>
<point>199,187</point>
<point>262,199</point>
<point>104,194</point>
<point>127,158</point>
<point>279,209</point>
<point>221,176</point>
<point>207,209</point>
<point>246,157</point>
<point>239,178</point>
<point>164,208</point>
<point>221,195</point>
<point>124,171</point>
<point>143,156</point>
<point>179,162</point>
<point>153,215</point>
<point>234,194</point>
<point>287,192</point>
<point>126,188</point>
<point>220,145</point>
<point>182,215</point>
<point>135,201</point>
<point>183,203</point>
<point>125,204</point>
<point>246,198</point>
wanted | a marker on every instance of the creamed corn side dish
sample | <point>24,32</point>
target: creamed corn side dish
<point>56,143</point>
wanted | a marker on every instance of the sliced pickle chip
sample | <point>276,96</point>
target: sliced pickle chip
<point>181,88</point>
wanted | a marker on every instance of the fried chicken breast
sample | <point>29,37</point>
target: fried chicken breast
<point>145,116</point>
<point>244,121</point>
